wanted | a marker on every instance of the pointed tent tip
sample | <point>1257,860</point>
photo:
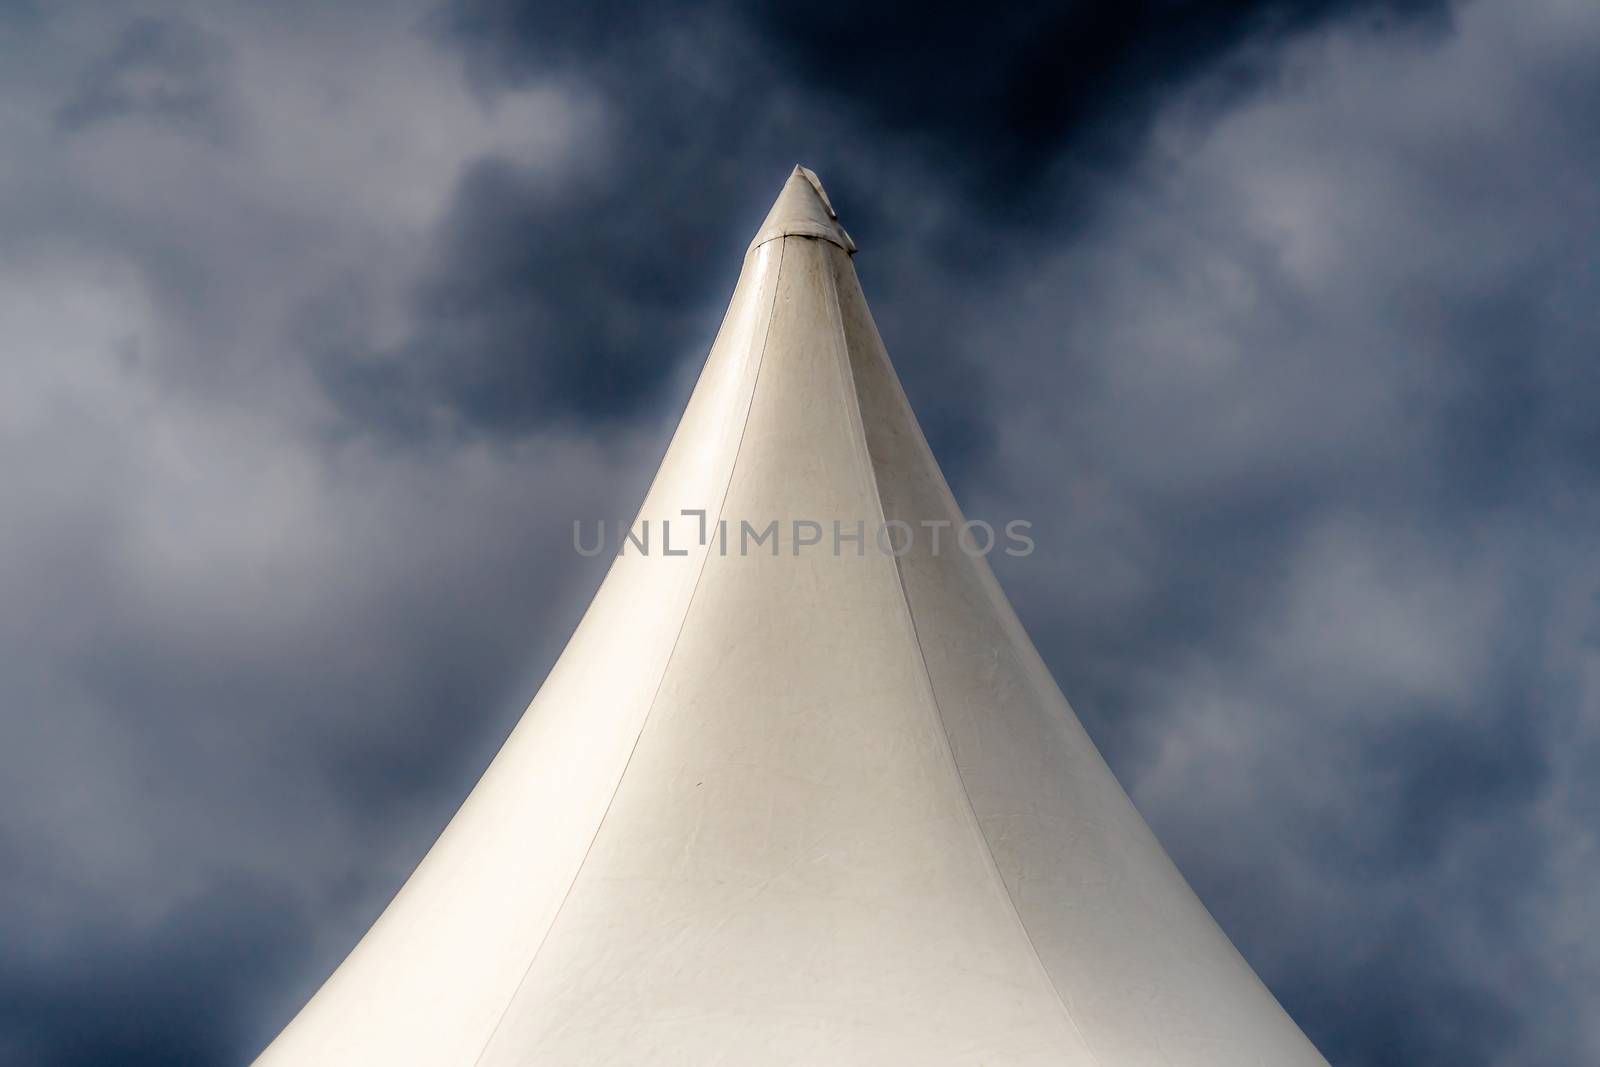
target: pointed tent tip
<point>803,210</point>
<point>816,183</point>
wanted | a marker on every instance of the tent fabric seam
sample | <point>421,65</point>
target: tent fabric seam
<point>940,729</point>
<point>834,241</point>
<point>666,668</point>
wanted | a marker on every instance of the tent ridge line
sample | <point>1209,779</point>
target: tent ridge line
<point>940,728</point>
<point>644,723</point>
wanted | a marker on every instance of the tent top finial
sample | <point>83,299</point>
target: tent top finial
<point>803,210</point>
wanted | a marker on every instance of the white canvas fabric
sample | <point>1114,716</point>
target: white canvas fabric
<point>801,806</point>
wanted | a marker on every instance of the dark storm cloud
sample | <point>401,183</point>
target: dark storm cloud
<point>152,998</point>
<point>167,70</point>
<point>196,727</point>
<point>532,315</point>
<point>1324,517</point>
<point>998,97</point>
<point>552,300</point>
<point>529,315</point>
<point>1277,319</point>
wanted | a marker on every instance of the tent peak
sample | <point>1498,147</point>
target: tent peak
<point>790,805</point>
<point>803,210</point>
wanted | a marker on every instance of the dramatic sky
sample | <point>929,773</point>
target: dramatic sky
<point>320,324</point>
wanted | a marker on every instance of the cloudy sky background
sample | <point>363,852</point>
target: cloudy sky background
<point>1279,320</point>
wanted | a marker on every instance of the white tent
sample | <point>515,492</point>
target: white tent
<point>791,803</point>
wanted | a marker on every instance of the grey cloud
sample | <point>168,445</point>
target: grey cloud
<point>165,69</point>
<point>197,729</point>
<point>152,996</point>
<point>530,316</point>
<point>990,103</point>
<point>1320,555</point>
